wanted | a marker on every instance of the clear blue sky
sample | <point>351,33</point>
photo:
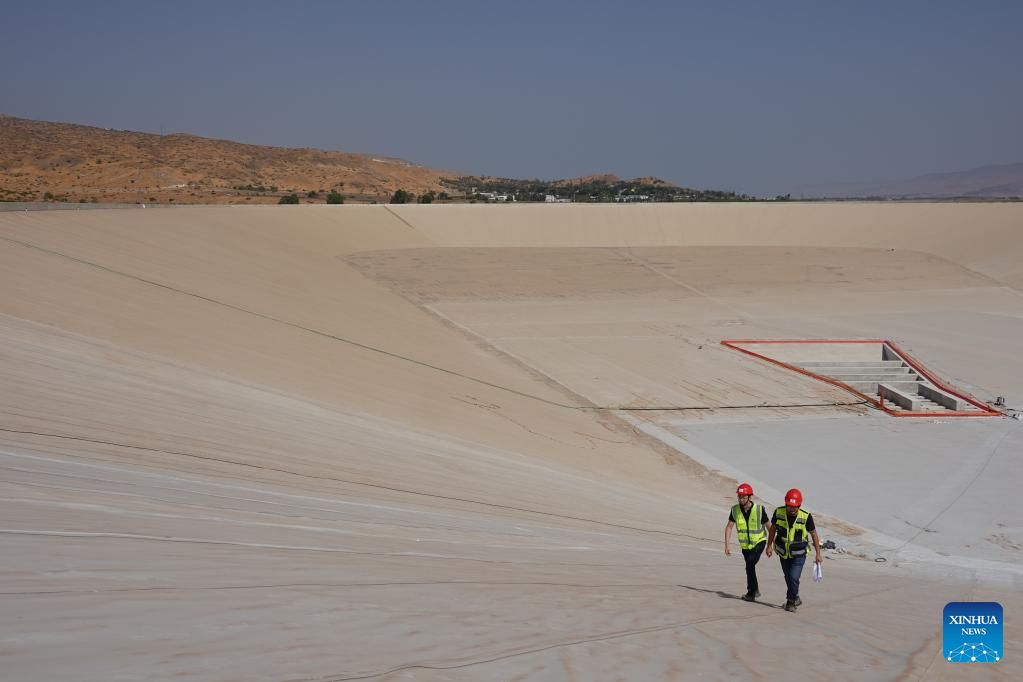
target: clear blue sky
<point>757,96</point>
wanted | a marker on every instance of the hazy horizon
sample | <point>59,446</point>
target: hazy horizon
<point>746,97</point>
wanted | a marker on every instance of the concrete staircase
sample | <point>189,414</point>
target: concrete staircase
<point>894,382</point>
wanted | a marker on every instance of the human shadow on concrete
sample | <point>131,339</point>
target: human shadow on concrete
<point>726,595</point>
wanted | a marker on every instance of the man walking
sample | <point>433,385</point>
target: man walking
<point>751,520</point>
<point>790,529</point>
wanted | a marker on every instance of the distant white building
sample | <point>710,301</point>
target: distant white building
<point>554,199</point>
<point>494,196</point>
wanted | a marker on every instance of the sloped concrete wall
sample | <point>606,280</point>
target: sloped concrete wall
<point>987,238</point>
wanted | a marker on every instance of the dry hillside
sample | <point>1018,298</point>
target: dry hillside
<point>81,163</point>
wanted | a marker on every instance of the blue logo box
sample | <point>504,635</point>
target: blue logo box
<point>972,632</point>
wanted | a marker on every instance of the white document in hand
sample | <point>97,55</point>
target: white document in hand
<point>818,573</point>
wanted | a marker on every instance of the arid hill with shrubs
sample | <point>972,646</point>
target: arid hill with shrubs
<point>43,161</point>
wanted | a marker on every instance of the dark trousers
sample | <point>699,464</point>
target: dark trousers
<point>752,556</point>
<point>793,569</point>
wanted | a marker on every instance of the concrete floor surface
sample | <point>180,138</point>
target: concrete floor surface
<point>469,442</point>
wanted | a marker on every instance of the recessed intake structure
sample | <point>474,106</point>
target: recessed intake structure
<point>877,370</point>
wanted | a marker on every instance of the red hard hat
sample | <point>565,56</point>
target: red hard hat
<point>744,489</point>
<point>794,498</point>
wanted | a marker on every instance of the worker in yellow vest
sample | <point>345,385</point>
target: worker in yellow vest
<point>752,522</point>
<point>791,528</point>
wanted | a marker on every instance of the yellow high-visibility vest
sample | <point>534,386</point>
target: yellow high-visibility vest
<point>790,540</point>
<point>753,533</point>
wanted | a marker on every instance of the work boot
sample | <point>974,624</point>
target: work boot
<point>748,597</point>
<point>798,602</point>
<point>790,606</point>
